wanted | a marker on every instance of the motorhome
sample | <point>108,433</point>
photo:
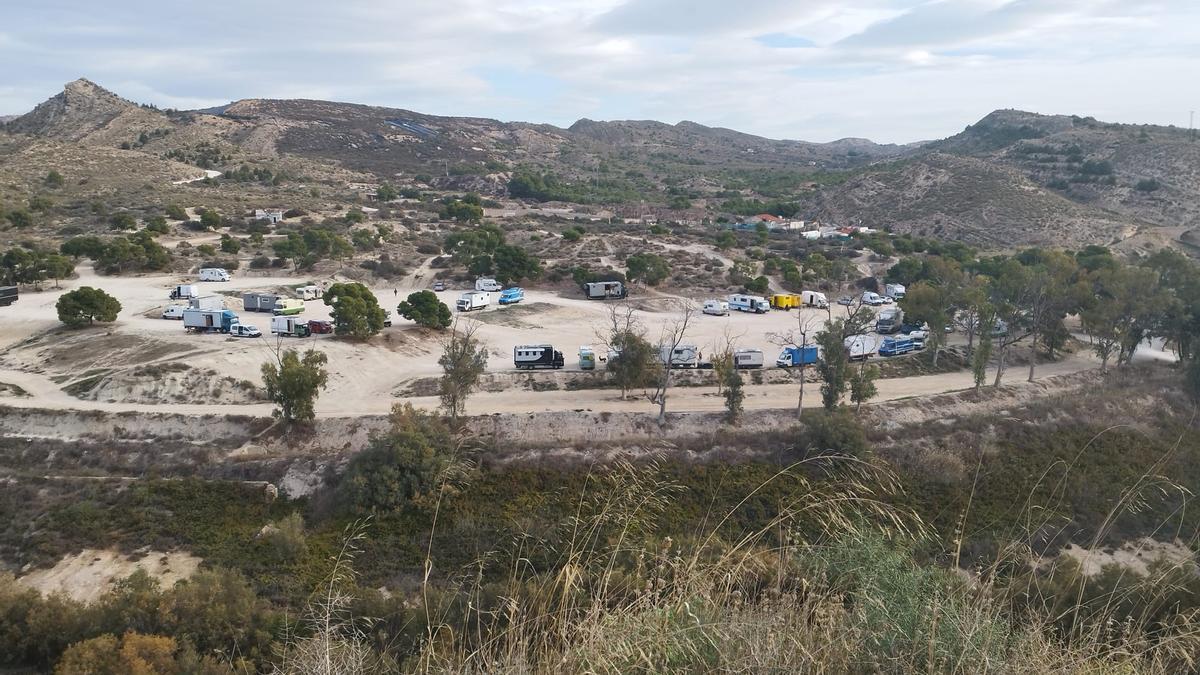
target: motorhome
<point>744,359</point>
<point>308,292</point>
<point>511,296</point>
<point>814,299</point>
<point>716,308</point>
<point>472,300</point>
<point>681,356</point>
<point>894,291</point>
<point>749,303</point>
<point>490,285</point>
<point>604,290</point>
<point>214,274</point>
<point>861,346</point>
<point>528,357</point>
<point>207,302</point>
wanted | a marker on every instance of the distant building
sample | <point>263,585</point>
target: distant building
<point>270,216</point>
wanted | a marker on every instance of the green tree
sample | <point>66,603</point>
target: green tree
<point>386,193</point>
<point>292,248</point>
<point>925,303</point>
<point>461,211</point>
<point>122,221</point>
<point>157,225</point>
<point>176,212</point>
<point>294,383</point>
<point>834,365</point>
<point>463,362</point>
<point>734,394</point>
<point>513,263</point>
<point>54,179</point>
<point>210,219</point>
<point>647,267</point>
<point>726,240</point>
<point>424,308</point>
<point>85,305</point>
<point>632,361</point>
<point>356,311</point>
<point>230,244</point>
<point>19,218</point>
<point>862,384</point>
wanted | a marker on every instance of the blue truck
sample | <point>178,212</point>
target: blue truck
<point>511,296</point>
<point>209,320</point>
<point>896,346</point>
<point>792,357</point>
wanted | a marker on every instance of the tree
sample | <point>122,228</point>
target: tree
<point>356,311</point>
<point>414,461</point>
<point>463,362</point>
<point>762,233</point>
<point>122,221</point>
<point>672,336</point>
<point>928,304</point>
<point>727,239</point>
<point>386,193</point>
<point>210,219</point>
<point>294,383</point>
<point>513,263</point>
<point>424,308</point>
<point>19,218</point>
<point>632,361</point>
<point>230,244</point>
<point>834,365</point>
<point>176,212</point>
<point>647,267</point>
<point>54,179</point>
<point>461,211</point>
<point>800,337</point>
<point>85,305</point>
<point>985,320</point>
<point>862,384</point>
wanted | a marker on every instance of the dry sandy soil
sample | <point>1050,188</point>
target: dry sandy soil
<point>90,573</point>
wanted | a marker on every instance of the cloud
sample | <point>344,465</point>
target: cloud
<point>895,70</point>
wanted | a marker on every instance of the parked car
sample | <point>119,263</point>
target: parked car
<point>316,326</point>
<point>244,330</point>
<point>439,286</point>
<point>846,300</point>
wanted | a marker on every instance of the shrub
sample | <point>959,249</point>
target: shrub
<point>424,308</point>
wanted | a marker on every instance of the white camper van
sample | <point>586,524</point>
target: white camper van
<point>716,308</point>
<point>214,274</point>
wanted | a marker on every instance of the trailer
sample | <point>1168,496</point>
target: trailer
<point>862,346</point>
<point>259,302</point>
<point>716,308</point>
<point>511,296</point>
<point>214,274</point>
<point>681,356</point>
<point>785,301</point>
<point>184,292</point>
<point>604,290</point>
<point>745,359</point>
<point>8,295</point>
<point>213,302</point>
<point>472,300</point>
<point>287,307</point>
<point>289,326</point>
<point>587,358</point>
<point>528,357</point>
<point>889,321</point>
<point>792,357</point>
<point>814,299</point>
<point>208,320</point>
<point>749,303</point>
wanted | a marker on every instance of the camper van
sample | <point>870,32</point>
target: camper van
<point>604,290</point>
<point>749,303</point>
<point>308,292</point>
<point>489,285</point>
<point>528,357</point>
<point>716,308</point>
<point>511,296</point>
<point>174,312</point>
<point>814,299</point>
<point>214,274</point>
<point>287,306</point>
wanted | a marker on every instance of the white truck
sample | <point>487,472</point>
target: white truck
<point>873,299</point>
<point>716,308</point>
<point>489,285</point>
<point>207,302</point>
<point>814,299</point>
<point>895,291</point>
<point>747,358</point>
<point>289,326</point>
<point>861,346</point>
<point>214,274</point>
<point>184,292</point>
<point>472,300</point>
<point>749,303</point>
<point>683,356</point>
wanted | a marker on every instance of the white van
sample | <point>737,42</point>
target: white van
<point>716,308</point>
<point>489,285</point>
<point>214,274</point>
<point>174,312</point>
<point>244,330</point>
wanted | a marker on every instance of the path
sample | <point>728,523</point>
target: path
<point>208,173</point>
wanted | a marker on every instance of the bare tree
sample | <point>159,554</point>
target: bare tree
<point>630,358</point>
<point>672,336</point>
<point>802,337</point>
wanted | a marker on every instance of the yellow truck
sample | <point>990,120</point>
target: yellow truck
<point>785,301</point>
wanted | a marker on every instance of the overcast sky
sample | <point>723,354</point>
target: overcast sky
<point>889,70</point>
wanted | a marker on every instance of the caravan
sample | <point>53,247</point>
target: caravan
<point>716,308</point>
<point>749,303</point>
<point>682,356</point>
<point>214,274</point>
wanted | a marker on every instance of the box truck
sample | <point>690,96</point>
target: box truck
<point>744,359</point>
<point>287,307</point>
<point>814,299</point>
<point>259,302</point>
<point>511,296</point>
<point>785,301</point>
<point>208,320</point>
<point>207,302</point>
<point>604,290</point>
<point>289,326</point>
<point>214,274</point>
<point>184,292</point>
<point>8,295</point>
<point>528,357</point>
<point>749,303</point>
<point>793,357</point>
<point>471,301</point>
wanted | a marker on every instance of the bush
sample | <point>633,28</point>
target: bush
<point>176,212</point>
<point>1147,185</point>
<point>402,467</point>
<point>424,308</point>
<point>834,433</point>
<point>261,262</point>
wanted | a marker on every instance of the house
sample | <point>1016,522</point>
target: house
<point>769,218</point>
<point>271,216</point>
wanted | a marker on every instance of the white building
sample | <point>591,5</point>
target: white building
<point>269,216</point>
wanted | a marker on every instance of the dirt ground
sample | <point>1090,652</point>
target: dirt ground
<point>90,573</point>
<point>53,366</point>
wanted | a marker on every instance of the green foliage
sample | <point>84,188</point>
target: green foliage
<point>463,362</point>
<point>460,210</point>
<point>634,362</point>
<point>230,244</point>
<point>734,394</point>
<point>210,219</point>
<point>32,266</point>
<point>85,305</point>
<point>409,464</point>
<point>834,365</point>
<point>176,212</point>
<point>862,384</point>
<point>647,267</point>
<point>1147,185</point>
<point>157,225</point>
<point>259,174</point>
<point>513,263</point>
<point>834,433</point>
<point>726,240</point>
<point>53,179</point>
<point>527,183</point>
<point>206,250</point>
<point>19,218</point>
<point>465,246</point>
<point>356,311</point>
<point>424,308</point>
<point>294,383</point>
<point>572,234</point>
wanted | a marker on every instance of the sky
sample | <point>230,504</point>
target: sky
<point>818,70</point>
